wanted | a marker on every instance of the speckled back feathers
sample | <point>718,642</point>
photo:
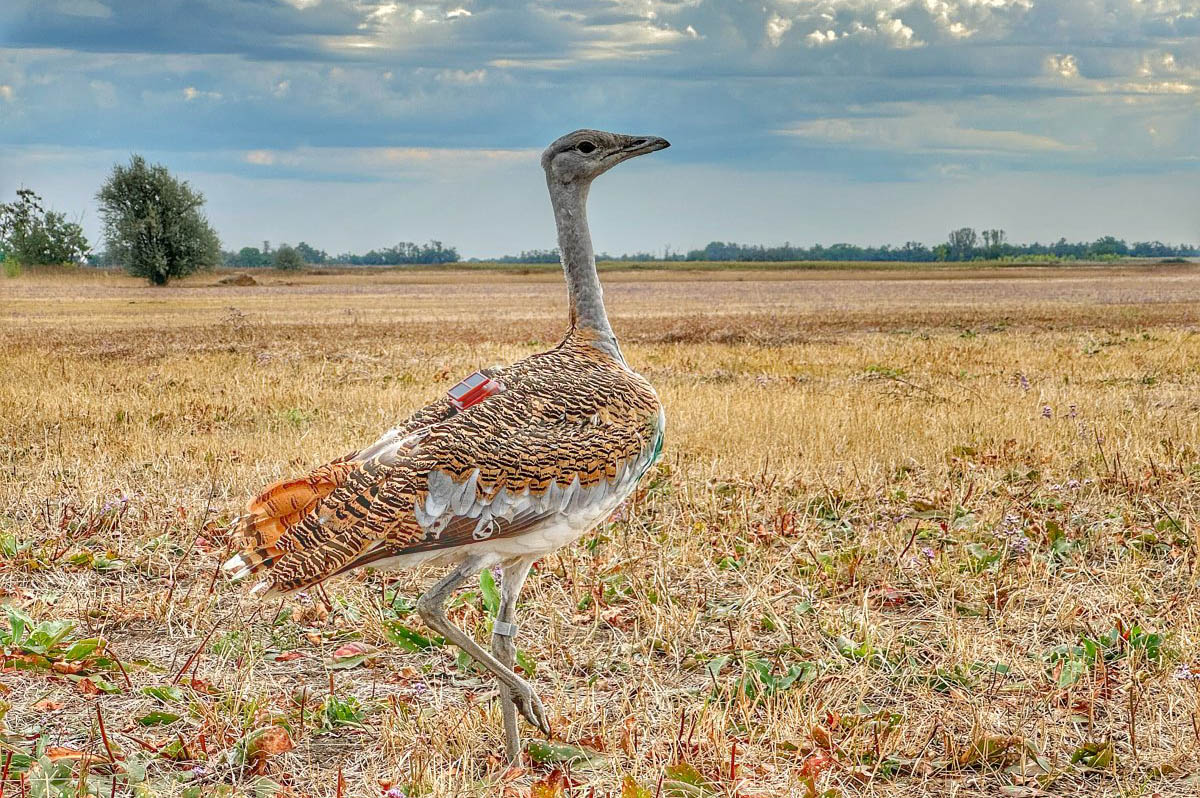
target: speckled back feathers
<point>573,428</point>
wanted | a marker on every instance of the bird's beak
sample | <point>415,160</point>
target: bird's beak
<point>630,147</point>
<point>640,145</point>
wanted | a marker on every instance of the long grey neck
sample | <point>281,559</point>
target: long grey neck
<point>584,292</point>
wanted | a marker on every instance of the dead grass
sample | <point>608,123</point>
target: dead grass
<point>913,534</point>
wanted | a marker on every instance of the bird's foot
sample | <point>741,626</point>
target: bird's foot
<point>531,707</point>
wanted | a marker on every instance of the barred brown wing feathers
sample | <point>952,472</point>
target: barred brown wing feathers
<point>337,532</point>
<point>571,426</point>
<point>280,506</point>
<point>469,515</point>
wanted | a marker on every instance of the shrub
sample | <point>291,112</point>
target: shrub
<point>33,236</point>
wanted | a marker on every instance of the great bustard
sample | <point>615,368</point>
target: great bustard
<point>513,464</point>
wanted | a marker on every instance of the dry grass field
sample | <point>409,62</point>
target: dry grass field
<point>915,533</point>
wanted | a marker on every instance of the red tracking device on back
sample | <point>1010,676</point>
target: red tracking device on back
<point>473,390</point>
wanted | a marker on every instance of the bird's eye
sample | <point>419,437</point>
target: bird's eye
<point>586,147</point>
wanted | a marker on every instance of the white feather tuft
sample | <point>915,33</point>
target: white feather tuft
<point>235,563</point>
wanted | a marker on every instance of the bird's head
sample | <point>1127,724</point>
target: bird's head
<point>584,155</point>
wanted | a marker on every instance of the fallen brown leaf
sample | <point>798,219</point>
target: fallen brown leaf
<point>822,737</point>
<point>553,785</point>
<point>57,752</point>
<point>815,764</point>
<point>352,650</point>
<point>46,705</point>
<point>264,743</point>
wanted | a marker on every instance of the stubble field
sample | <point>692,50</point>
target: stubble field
<point>914,533</point>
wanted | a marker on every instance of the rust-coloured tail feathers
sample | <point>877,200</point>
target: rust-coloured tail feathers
<point>278,508</point>
<point>275,511</point>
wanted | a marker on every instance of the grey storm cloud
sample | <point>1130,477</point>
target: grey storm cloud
<point>253,28</point>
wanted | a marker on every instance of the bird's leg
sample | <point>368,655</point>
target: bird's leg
<point>431,607</point>
<point>504,646</point>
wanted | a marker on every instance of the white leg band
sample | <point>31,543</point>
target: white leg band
<point>504,629</point>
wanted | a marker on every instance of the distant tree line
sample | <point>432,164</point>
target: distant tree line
<point>285,257</point>
<point>551,256</point>
<point>401,254</point>
<point>963,244</point>
<point>531,256</point>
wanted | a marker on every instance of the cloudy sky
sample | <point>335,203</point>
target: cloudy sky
<point>358,123</point>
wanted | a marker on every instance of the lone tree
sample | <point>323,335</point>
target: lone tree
<point>33,236</point>
<point>288,259</point>
<point>153,223</point>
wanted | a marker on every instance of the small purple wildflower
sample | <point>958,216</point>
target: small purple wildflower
<point>395,792</point>
<point>1012,531</point>
<point>199,771</point>
<point>1047,412</point>
<point>1023,381</point>
<point>1072,411</point>
<point>113,504</point>
<point>922,556</point>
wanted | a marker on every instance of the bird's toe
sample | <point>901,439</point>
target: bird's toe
<point>534,711</point>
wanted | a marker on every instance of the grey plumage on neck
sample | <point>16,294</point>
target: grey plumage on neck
<point>571,164</point>
<point>584,291</point>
